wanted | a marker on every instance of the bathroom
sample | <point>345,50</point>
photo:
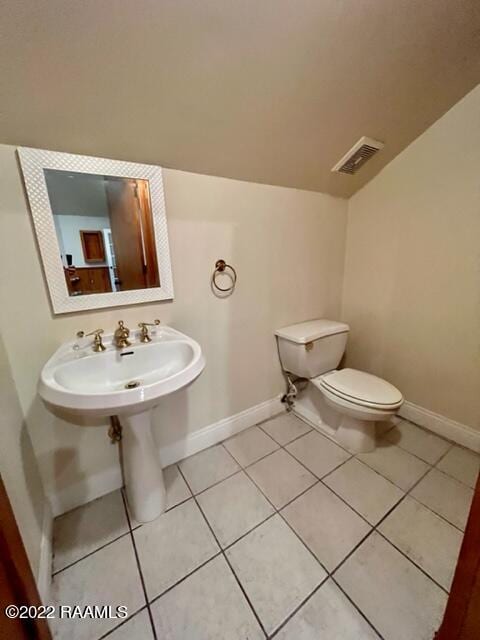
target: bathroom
<point>261,521</point>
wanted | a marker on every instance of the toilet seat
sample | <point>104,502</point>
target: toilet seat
<point>360,389</point>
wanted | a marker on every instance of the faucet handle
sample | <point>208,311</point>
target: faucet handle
<point>82,334</point>
<point>98,345</point>
<point>144,336</point>
<point>149,324</point>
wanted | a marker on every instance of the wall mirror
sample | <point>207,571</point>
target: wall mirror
<point>101,228</point>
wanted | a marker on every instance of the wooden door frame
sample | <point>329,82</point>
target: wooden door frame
<point>17,584</point>
<point>461,620</point>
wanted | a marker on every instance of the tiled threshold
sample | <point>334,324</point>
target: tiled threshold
<point>277,532</point>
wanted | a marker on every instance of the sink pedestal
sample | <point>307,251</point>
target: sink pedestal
<point>141,467</point>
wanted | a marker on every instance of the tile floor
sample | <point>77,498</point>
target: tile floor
<point>277,532</point>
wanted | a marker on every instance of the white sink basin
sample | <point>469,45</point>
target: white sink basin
<point>81,381</point>
<point>126,383</point>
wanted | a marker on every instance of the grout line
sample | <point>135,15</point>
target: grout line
<point>277,511</point>
<point>210,486</point>
<point>372,527</point>
<point>397,444</point>
<point>353,508</point>
<point>130,617</point>
<point>430,432</point>
<point>375,527</point>
<point>244,466</point>
<point>244,535</point>
<point>90,553</point>
<point>327,572</point>
<point>297,608</point>
<point>444,455</point>
<point>352,602</point>
<point>319,477</point>
<point>185,577</point>
<point>394,484</point>
<point>277,415</point>
<point>286,443</point>
<point>270,453</point>
<point>383,437</point>
<point>228,561</point>
<point>439,515</point>
<point>447,475</point>
<point>142,580</point>
<point>412,561</point>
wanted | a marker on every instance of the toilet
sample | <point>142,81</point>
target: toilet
<point>343,403</point>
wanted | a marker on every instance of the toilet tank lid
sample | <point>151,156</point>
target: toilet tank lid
<point>311,330</point>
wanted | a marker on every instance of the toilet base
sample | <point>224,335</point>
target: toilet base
<point>355,434</point>
<point>358,436</point>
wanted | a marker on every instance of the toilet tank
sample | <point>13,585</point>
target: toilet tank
<point>311,348</point>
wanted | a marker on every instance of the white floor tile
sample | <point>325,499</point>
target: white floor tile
<point>446,496</point>
<point>317,453</point>
<point>108,577</point>
<point>395,464</point>
<point>275,569</point>
<point>327,526</point>
<point>172,546</point>
<point>208,605</point>
<point>423,444</point>
<point>233,507</point>
<point>250,445</point>
<point>87,528</point>
<point>208,467</point>
<point>138,628</point>
<point>425,537</point>
<point>281,477</point>
<point>285,428</point>
<point>364,489</point>
<point>399,600</point>
<point>461,464</point>
<point>327,615</point>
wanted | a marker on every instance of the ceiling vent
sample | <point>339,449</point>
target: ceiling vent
<point>361,151</point>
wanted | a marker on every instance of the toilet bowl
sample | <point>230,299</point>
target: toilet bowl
<point>311,351</point>
<point>363,400</point>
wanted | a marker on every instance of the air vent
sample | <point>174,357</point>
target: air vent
<point>361,151</point>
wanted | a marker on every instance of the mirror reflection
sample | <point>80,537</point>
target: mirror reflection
<point>105,231</point>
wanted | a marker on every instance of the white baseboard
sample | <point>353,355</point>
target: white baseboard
<point>92,487</point>
<point>44,578</point>
<point>99,484</point>
<point>456,431</point>
<point>218,431</point>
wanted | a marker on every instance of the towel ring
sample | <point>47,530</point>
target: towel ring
<point>220,267</point>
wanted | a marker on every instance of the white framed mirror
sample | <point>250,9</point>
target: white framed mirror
<point>101,228</point>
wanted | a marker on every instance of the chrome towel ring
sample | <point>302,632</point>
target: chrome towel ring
<point>221,267</point>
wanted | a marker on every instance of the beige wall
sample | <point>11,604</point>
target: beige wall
<point>412,271</point>
<point>288,248</point>
<point>18,466</point>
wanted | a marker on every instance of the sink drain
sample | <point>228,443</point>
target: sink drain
<point>133,384</point>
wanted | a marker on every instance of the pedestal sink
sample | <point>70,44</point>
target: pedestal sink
<point>126,383</point>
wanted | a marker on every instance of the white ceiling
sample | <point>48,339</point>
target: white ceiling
<point>270,91</point>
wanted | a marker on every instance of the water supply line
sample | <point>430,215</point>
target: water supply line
<point>115,430</point>
<point>288,398</point>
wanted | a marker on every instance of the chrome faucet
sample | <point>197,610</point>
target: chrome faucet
<point>120,337</point>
